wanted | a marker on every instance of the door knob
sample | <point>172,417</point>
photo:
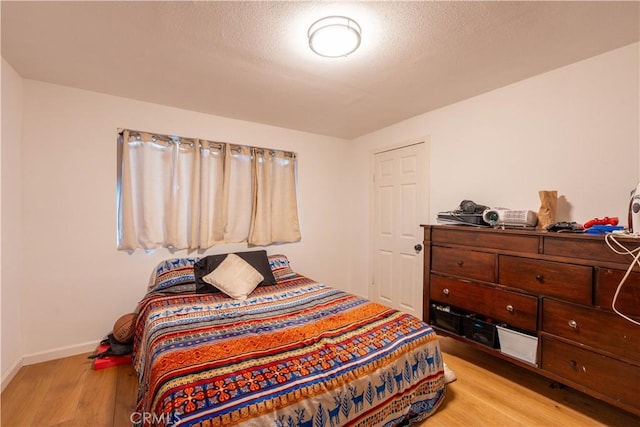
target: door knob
<point>418,248</point>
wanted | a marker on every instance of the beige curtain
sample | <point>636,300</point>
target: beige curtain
<point>144,189</point>
<point>127,235</point>
<point>159,192</point>
<point>181,207</point>
<point>212,202</point>
<point>193,194</point>
<point>238,189</point>
<point>275,209</point>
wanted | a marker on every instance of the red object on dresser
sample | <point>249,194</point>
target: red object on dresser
<point>109,361</point>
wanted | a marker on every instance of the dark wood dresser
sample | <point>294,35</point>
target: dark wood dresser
<point>556,287</point>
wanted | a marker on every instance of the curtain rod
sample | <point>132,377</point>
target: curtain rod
<point>176,138</point>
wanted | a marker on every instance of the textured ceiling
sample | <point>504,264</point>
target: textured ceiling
<point>251,60</point>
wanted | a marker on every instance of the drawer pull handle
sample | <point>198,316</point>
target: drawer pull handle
<point>509,308</point>
<point>540,278</point>
<point>572,363</point>
<point>572,324</point>
<point>460,263</point>
<point>445,291</point>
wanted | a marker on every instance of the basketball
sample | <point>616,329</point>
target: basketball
<point>124,327</point>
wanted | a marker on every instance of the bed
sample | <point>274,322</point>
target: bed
<point>293,353</point>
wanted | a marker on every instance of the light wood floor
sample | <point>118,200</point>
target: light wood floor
<point>488,392</point>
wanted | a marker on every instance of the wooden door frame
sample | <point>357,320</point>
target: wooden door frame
<point>372,156</point>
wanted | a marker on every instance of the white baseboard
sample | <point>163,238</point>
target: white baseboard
<point>8,376</point>
<point>45,356</point>
<point>58,353</point>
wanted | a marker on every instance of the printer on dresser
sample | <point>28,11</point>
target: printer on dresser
<point>555,288</point>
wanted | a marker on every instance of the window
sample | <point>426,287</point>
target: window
<point>187,193</point>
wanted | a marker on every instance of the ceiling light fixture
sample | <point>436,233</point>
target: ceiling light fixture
<point>334,36</point>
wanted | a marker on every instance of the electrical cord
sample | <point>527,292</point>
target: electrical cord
<point>623,250</point>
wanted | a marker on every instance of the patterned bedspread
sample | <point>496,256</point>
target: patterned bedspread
<point>299,353</point>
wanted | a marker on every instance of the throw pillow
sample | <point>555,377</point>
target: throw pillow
<point>235,277</point>
<point>257,259</point>
<point>280,267</point>
<point>173,275</point>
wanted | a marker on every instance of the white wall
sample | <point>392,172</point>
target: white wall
<point>76,283</point>
<point>574,130</point>
<point>11,225</point>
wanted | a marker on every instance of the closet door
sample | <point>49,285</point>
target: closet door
<point>400,206</point>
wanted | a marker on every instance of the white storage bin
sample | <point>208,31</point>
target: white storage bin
<point>518,345</point>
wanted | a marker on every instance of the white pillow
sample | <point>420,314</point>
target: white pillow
<point>235,277</point>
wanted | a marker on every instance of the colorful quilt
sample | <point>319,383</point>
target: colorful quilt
<point>298,353</point>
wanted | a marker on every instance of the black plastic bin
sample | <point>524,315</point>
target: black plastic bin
<point>446,318</point>
<point>480,331</point>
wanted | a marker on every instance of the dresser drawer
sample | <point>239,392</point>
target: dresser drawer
<point>567,281</point>
<point>464,263</point>
<point>517,310</point>
<point>486,238</point>
<point>610,377</point>
<point>607,281</point>
<point>584,247</point>
<point>606,331</point>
